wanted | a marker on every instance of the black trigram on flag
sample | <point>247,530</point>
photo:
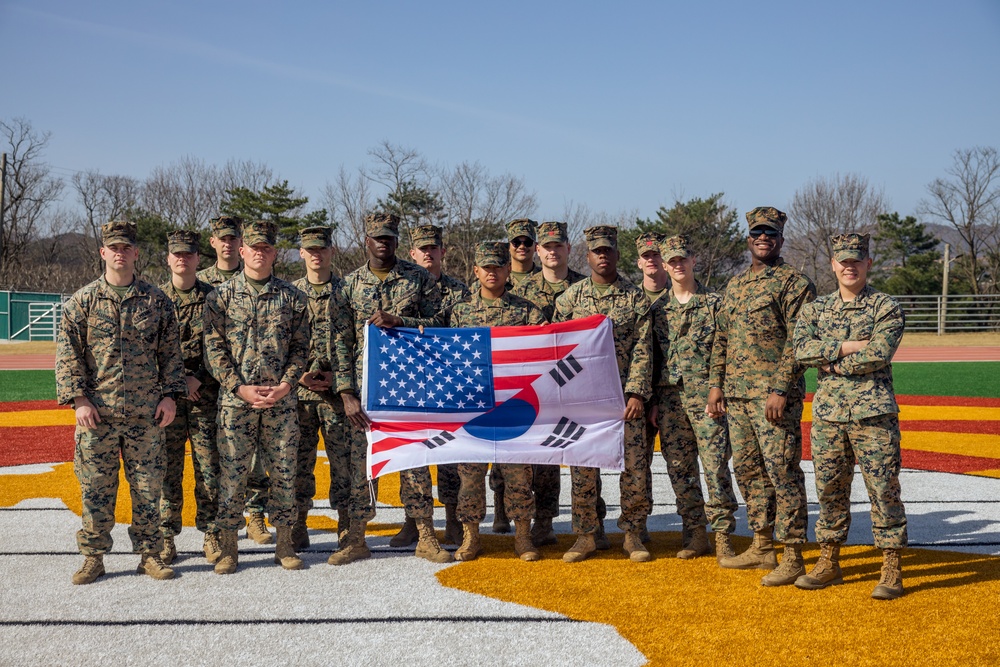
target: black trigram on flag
<point>438,440</point>
<point>564,433</point>
<point>565,370</point>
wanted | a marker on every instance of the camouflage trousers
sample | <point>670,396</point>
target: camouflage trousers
<point>416,492</point>
<point>766,464</point>
<point>449,483</point>
<point>687,434</point>
<point>518,499</point>
<point>545,484</point>
<point>328,418</point>
<point>273,432</point>
<point>632,483</point>
<point>873,444</point>
<point>258,485</point>
<point>95,462</point>
<point>195,421</point>
<point>362,493</point>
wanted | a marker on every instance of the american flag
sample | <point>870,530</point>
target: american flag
<point>531,394</point>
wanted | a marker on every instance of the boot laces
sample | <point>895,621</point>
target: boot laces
<point>90,564</point>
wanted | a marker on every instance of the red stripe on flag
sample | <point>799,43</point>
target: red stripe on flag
<point>514,382</point>
<point>387,444</point>
<point>406,427</point>
<point>554,353</point>
<point>377,468</point>
<point>582,324</point>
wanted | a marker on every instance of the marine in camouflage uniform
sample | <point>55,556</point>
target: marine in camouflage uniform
<point>493,306</point>
<point>654,285</point>
<point>522,234</point>
<point>684,324</point>
<point>226,240</point>
<point>427,249</point>
<point>386,292</point>
<point>118,362</point>
<point>754,369</point>
<point>542,289</point>
<point>319,410</point>
<point>851,335</point>
<point>606,293</point>
<point>257,346</point>
<point>196,408</point>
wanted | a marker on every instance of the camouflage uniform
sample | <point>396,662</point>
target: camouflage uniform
<point>256,338</point>
<point>411,293</point>
<point>685,334</point>
<point>628,309</point>
<point>122,353</point>
<point>542,293</point>
<point>321,411</point>
<point>522,227</point>
<point>195,420</point>
<point>855,416</point>
<point>507,311</point>
<point>257,483</point>
<point>752,357</point>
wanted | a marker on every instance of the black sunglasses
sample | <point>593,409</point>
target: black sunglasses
<point>522,242</point>
<point>766,231</point>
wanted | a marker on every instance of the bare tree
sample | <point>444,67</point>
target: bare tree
<point>477,206</point>
<point>348,199</point>
<point>29,190</point>
<point>969,201</point>
<point>103,198</point>
<point>825,207</point>
<point>254,176</point>
<point>186,193</point>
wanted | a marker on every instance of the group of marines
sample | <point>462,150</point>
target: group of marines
<point>251,369</point>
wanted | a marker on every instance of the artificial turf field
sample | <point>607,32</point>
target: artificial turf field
<point>395,609</point>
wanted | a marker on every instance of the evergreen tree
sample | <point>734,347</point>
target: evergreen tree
<point>276,203</point>
<point>414,205</point>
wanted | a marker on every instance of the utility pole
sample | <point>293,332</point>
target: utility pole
<point>943,310</point>
<point>3,185</point>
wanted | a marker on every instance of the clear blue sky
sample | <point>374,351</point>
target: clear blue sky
<point>618,106</point>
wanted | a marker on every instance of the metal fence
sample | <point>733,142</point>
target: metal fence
<point>951,314</point>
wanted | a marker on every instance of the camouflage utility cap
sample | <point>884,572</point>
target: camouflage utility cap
<point>522,227</point>
<point>382,224</point>
<point>184,240</point>
<point>850,246</point>
<point>316,237</point>
<point>767,216</point>
<point>227,225</point>
<point>492,253</point>
<point>119,231</point>
<point>675,246</point>
<point>648,242</point>
<point>602,236</point>
<point>260,231</point>
<point>425,235</point>
<point>553,232</point>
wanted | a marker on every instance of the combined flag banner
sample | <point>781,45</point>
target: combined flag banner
<point>532,394</point>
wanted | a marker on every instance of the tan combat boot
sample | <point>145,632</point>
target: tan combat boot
<point>230,557</point>
<point>644,531</point>
<point>697,545</point>
<point>284,551</point>
<point>601,541</point>
<point>470,542</point>
<point>523,546</point>
<point>343,523</point>
<point>637,553</point>
<point>152,565</point>
<point>758,556</point>
<point>428,546</point>
<point>453,530</point>
<point>257,529</point>
<point>353,546</point>
<point>91,570</point>
<point>792,567</point>
<point>169,551</point>
<point>581,549</point>
<point>300,532</point>
<point>212,548</point>
<point>826,571</point>
<point>724,546</point>
<point>501,524</point>
<point>890,585</point>
<point>407,535</point>
<point>542,533</point>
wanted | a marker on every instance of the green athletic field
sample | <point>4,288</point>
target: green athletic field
<point>960,378</point>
